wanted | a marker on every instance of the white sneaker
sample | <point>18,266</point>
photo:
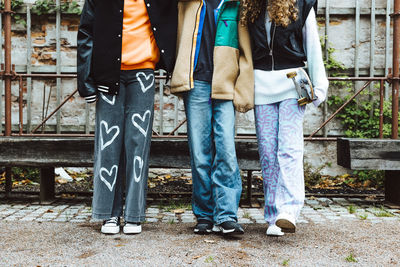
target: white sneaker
<point>286,222</point>
<point>132,228</point>
<point>274,230</point>
<point>111,226</point>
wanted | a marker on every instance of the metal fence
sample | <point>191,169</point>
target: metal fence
<point>327,11</point>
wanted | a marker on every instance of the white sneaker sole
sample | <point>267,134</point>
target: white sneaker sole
<point>274,231</point>
<point>110,230</point>
<point>228,231</point>
<point>208,231</point>
<point>275,234</point>
<point>132,229</point>
<point>218,230</point>
<point>286,225</point>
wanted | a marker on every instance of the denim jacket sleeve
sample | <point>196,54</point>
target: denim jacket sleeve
<point>86,85</point>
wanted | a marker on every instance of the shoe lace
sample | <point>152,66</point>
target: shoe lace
<point>113,220</point>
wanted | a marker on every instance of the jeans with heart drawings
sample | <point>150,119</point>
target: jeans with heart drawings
<point>122,145</point>
<point>217,184</point>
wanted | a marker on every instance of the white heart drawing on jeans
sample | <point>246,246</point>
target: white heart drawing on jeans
<point>111,102</point>
<point>139,159</point>
<point>116,128</point>
<point>146,78</point>
<point>108,184</point>
<point>142,119</point>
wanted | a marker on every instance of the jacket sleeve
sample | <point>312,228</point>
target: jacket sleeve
<point>243,98</point>
<point>86,85</point>
<point>315,62</point>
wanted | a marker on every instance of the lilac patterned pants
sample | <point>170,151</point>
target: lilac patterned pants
<point>279,129</point>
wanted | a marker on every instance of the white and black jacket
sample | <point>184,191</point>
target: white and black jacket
<point>100,42</point>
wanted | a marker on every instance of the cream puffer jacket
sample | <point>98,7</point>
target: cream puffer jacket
<point>233,77</point>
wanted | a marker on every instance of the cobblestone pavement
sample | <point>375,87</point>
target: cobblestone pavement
<point>316,210</point>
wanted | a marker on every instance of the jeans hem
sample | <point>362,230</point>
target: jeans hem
<point>205,219</point>
<point>226,220</point>
<point>134,219</point>
<point>102,216</point>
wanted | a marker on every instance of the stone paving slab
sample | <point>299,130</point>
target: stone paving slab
<point>316,210</point>
<point>343,244</point>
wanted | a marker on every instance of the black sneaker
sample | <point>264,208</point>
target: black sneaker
<point>203,227</point>
<point>229,228</point>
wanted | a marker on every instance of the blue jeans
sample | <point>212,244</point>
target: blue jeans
<point>217,184</point>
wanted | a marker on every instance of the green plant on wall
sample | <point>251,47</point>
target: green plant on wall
<point>15,5</point>
<point>41,7</point>
<point>360,118</point>
<point>71,7</point>
<point>356,116</point>
<point>333,67</point>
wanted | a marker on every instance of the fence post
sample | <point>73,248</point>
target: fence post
<point>7,72</point>
<point>1,80</point>
<point>387,46</point>
<point>396,51</point>
<point>7,77</point>
<point>58,66</point>
<point>327,35</point>
<point>29,69</point>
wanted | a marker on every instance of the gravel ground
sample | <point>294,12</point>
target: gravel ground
<point>166,244</point>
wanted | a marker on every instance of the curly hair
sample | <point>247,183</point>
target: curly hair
<point>282,12</point>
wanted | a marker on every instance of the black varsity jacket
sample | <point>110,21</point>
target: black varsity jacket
<point>100,41</point>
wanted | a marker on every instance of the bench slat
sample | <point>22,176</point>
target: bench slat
<point>79,151</point>
<point>46,152</point>
<point>368,154</point>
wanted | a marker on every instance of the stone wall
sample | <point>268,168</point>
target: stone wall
<point>43,60</point>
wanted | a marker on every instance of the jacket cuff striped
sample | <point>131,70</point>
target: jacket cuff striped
<point>91,98</point>
<point>104,89</point>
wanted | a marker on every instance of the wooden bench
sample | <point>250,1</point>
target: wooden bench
<point>47,153</point>
<point>373,154</point>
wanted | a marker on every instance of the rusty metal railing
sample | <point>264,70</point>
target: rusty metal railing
<point>328,10</point>
<point>368,80</point>
<point>312,137</point>
<point>9,74</point>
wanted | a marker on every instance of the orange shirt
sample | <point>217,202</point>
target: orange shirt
<point>139,48</point>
